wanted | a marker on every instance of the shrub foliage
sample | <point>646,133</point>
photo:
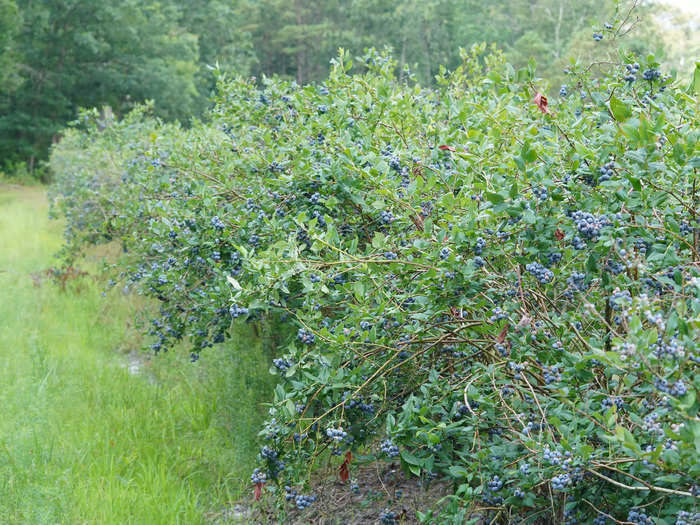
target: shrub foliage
<point>500,292</point>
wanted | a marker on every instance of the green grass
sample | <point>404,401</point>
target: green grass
<point>82,439</point>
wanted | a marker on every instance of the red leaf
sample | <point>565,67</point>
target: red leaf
<point>445,147</point>
<point>258,490</point>
<point>541,102</point>
<point>559,234</point>
<point>502,336</point>
<point>344,471</point>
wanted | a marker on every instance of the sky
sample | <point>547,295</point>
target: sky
<point>692,6</point>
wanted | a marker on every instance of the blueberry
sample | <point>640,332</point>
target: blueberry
<point>306,337</point>
<point>542,274</point>
<point>387,447</point>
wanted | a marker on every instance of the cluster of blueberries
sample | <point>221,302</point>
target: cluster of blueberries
<point>541,193</point>
<point>606,171</point>
<point>551,374</point>
<point>631,74</point>
<point>615,267</point>
<point>386,217</point>
<point>553,258</point>
<point>479,246</point>
<point>542,274</point>
<point>462,409</point>
<point>589,225</point>
<point>651,74</point>
<point>686,228</point>
<point>561,481</point>
<point>281,364</point>
<point>639,518</point>
<point>269,453</point>
<point>497,314</point>
<point>620,299</point>
<point>609,402</point>
<point>336,434</point>
<point>673,348</point>
<point>274,464</point>
<point>301,501</point>
<point>576,283</point>
<point>553,457</point>
<point>569,473</point>
<point>517,369</point>
<point>578,243</point>
<point>388,517</point>
<point>687,518</point>
<point>389,448</point>
<point>306,337</point>
<point>258,476</point>
<point>677,389</point>
<point>367,408</point>
<point>237,311</point>
<point>495,484</point>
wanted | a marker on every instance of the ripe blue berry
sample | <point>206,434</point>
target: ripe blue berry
<point>542,274</point>
<point>306,337</point>
<point>387,447</point>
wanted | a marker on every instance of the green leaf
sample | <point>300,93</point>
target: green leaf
<point>592,263</point>
<point>514,190</point>
<point>688,400</point>
<point>359,290</point>
<point>619,109</point>
<point>379,241</point>
<point>410,458</point>
<point>289,406</point>
<point>458,471</point>
<point>233,283</point>
<point>625,437</point>
<point>494,198</point>
<point>694,86</point>
<point>635,182</point>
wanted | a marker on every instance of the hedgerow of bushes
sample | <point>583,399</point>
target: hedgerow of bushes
<point>496,291</point>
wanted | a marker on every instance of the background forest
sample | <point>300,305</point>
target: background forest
<point>57,56</point>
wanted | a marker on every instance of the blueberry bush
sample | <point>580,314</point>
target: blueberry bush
<point>494,291</point>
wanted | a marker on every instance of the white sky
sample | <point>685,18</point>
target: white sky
<point>692,6</point>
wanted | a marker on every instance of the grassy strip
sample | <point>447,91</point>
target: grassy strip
<point>82,438</point>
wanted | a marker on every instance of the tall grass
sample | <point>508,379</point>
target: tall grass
<point>82,438</point>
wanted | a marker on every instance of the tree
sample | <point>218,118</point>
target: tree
<point>223,39</point>
<point>76,53</point>
<point>9,23</point>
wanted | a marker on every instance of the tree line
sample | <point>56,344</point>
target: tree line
<point>57,56</point>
